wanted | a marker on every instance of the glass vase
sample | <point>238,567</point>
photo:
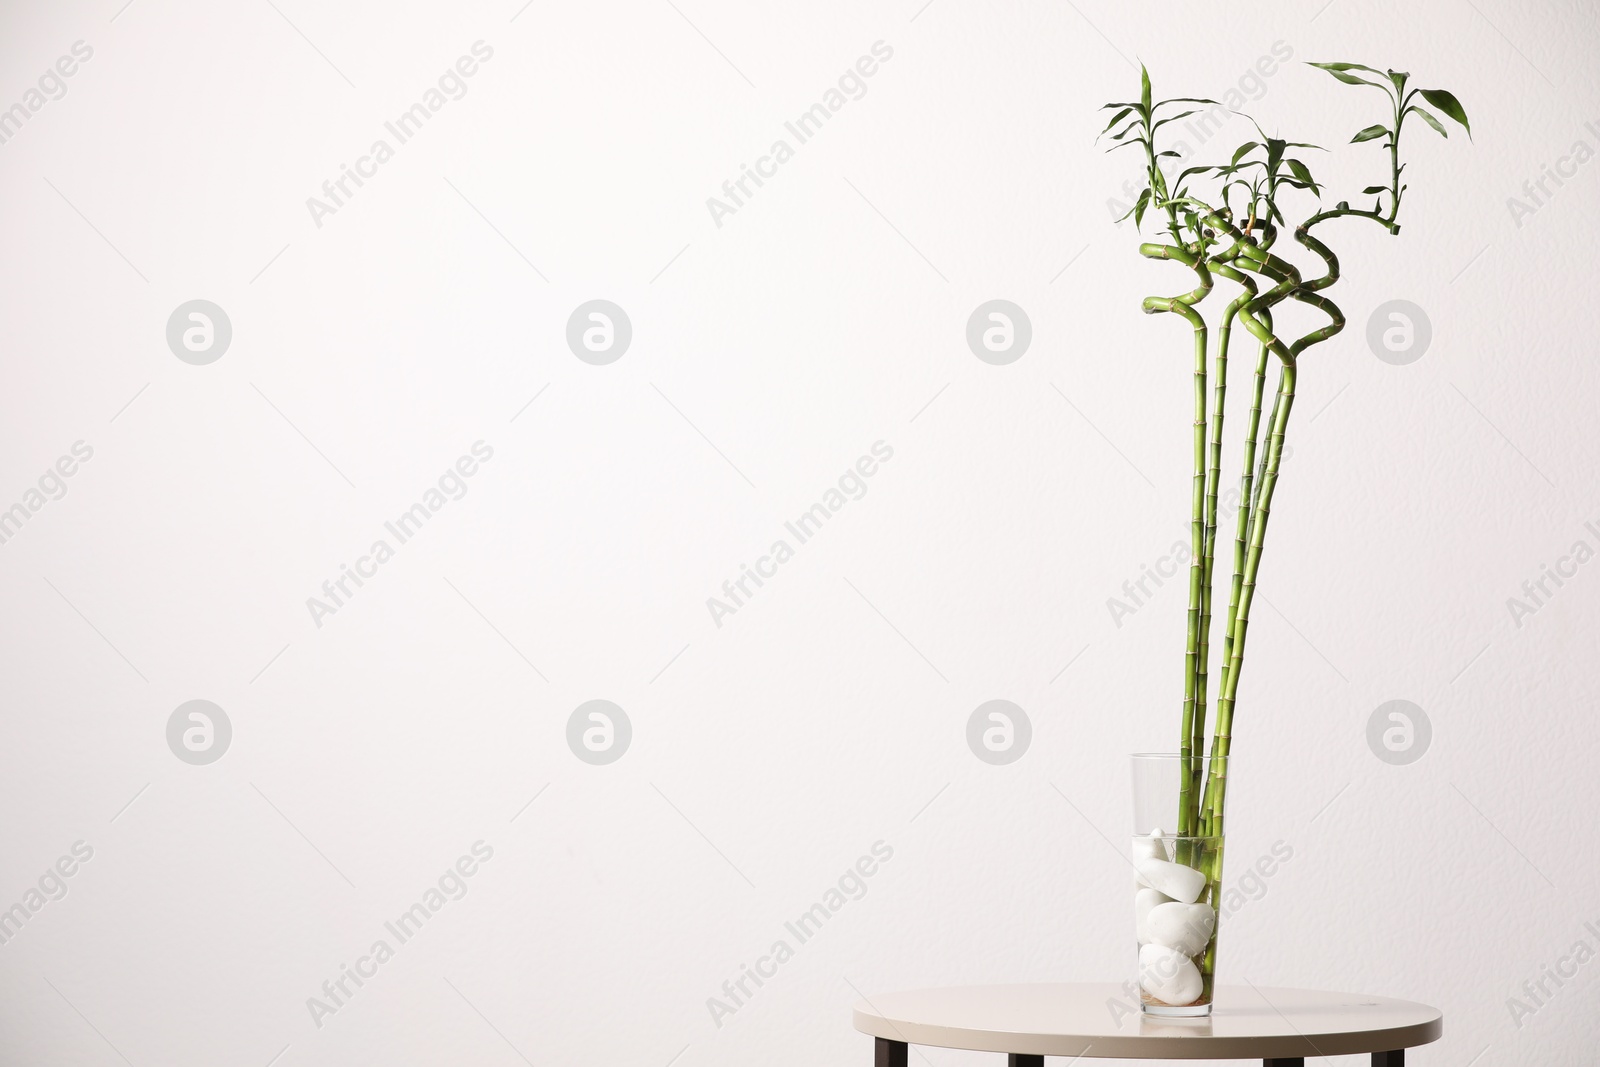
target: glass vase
<point>1178,871</point>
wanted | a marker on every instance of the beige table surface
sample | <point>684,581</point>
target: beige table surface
<point>1100,1021</point>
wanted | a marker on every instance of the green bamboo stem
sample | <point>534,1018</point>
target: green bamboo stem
<point>1255,313</point>
<point>1259,497</point>
<point>1308,293</point>
<point>1216,788</point>
<point>1252,428</point>
<point>1188,800</point>
<point>1246,497</point>
<point>1288,281</point>
<point>1214,805</point>
<point>1261,460</point>
<point>1193,818</point>
<point>1194,669</point>
<point>1250,479</point>
<point>1219,392</point>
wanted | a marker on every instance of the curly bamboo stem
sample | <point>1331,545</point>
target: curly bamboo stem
<point>1188,802</point>
<point>1219,392</point>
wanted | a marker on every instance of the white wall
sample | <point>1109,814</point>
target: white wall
<point>768,354</point>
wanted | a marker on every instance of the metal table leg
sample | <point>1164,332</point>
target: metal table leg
<point>1389,1059</point>
<point>1296,1061</point>
<point>1023,1059</point>
<point>886,1053</point>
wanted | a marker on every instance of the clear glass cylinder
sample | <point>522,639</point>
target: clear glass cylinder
<point>1158,790</point>
<point>1178,873</point>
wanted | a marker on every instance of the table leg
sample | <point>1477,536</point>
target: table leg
<point>1023,1059</point>
<point>1396,1058</point>
<point>888,1053</point>
<point>1295,1061</point>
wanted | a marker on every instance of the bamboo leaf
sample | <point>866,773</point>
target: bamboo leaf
<point>1174,118</point>
<point>1351,79</point>
<point>1375,189</point>
<point>1397,78</point>
<point>1144,88</point>
<point>1429,119</point>
<point>1369,133</point>
<point>1240,152</point>
<point>1118,117</point>
<point>1347,66</point>
<point>1143,198</point>
<point>1341,71</point>
<point>1298,169</point>
<point>1446,102</point>
<point>1138,208</point>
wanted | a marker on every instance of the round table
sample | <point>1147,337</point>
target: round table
<point>1030,1022</point>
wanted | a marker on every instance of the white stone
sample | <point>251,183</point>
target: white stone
<point>1174,879</point>
<point>1169,976</point>
<point>1185,928</point>
<point>1148,847</point>
<point>1151,847</point>
<point>1144,901</point>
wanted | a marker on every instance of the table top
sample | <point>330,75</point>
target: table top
<point>1097,1021</point>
